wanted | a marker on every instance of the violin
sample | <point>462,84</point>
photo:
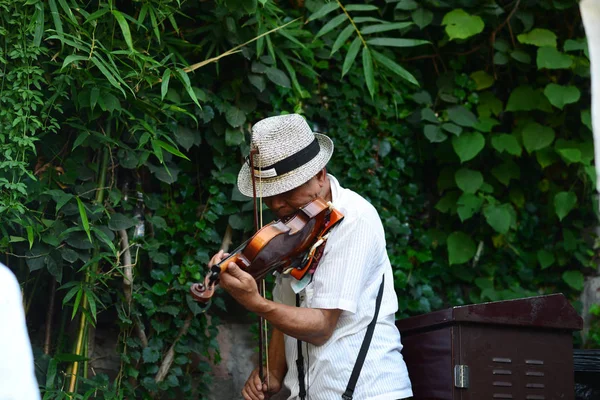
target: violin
<point>288,246</point>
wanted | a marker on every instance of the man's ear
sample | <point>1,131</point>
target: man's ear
<point>321,176</point>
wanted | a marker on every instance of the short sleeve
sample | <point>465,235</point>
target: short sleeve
<point>349,256</point>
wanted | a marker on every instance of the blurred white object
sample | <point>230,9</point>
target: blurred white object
<point>590,14</point>
<point>17,377</point>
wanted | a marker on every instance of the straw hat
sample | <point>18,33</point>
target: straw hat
<point>289,154</point>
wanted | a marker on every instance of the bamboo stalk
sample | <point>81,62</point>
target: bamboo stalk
<point>49,316</point>
<point>168,360</point>
<point>88,277</point>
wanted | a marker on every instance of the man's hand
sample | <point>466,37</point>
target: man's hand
<point>240,284</point>
<point>256,390</point>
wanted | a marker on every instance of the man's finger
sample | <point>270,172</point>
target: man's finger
<point>235,271</point>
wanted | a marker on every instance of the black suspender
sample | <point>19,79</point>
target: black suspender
<point>359,360</point>
<point>364,347</point>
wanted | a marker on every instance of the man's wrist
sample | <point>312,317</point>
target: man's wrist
<point>260,306</point>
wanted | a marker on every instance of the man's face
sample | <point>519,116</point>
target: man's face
<point>285,204</point>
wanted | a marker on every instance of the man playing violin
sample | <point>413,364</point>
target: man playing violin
<point>322,320</point>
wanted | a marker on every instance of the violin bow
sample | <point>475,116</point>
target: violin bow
<point>263,340</point>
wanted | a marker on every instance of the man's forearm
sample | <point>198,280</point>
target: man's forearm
<point>277,363</point>
<point>310,325</point>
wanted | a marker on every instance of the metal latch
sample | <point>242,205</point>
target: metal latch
<point>461,376</point>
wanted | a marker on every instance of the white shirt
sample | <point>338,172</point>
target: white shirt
<point>348,278</point>
<point>17,377</point>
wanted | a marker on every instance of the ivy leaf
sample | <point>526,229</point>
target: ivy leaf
<point>351,55</point>
<point>467,205</point>
<point>482,79</point>
<point>407,5</point>
<point>235,117</point>
<point>461,25</point>
<point>573,279</point>
<point>257,81</point>
<point>560,96</point>
<point>234,137</point>
<point>119,222</point>
<point>564,203</point>
<point>538,37</point>
<point>545,258</point>
<point>454,129</point>
<point>422,17</point>
<point>498,217</point>
<point>278,77</point>
<point>537,137</point>
<point>434,133</point>
<point>586,118</point>
<point>525,98</point>
<point>461,116</point>
<point>461,248</point>
<point>468,145</point>
<point>150,354</point>
<point>368,70</point>
<point>508,143</point>
<point>468,180</point>
<point>550,58</point>
<point>506,171</point>
<point>546,157</point>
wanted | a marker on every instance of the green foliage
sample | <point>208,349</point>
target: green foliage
<point>123,126</point>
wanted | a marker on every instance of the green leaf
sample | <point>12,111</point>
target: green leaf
<point>331,25</point>
<point>506,171</point>
<point>234,137</point>
<point>564,203</point>
<point>394,42</point>
<point>461,25</point>
<point>586,118</point>
<point>351,55</point>
<point>422,17</point>
<point>384,27</point>
<point>461,248</point>
<point>235,117</point>
<point>55,17</point>
<point>525,98</point>
<point>406,5</point>
<point>111,78</point>
<point>482,79</point>
<point>395,68</point>
<point>570,156</point>
<point>124,28</point>
<point>461,116</point>
<point>341,39</point>
<point>521,56</point>
<point>574,279</point>
<point>164,85</point>
<point>434,133</point>
<point>560,96</point>
<point>546,156</point>
<point>498,217</point>
<point>468,145</point>
<point>551,58</point>
<point>538,37</point>
<point>278,77</point>
<point>150,354</point>
<point>508,143</point>
<point>467,205</point>
<point>170,149</point>
<point>537,137</point>
<point>489,105</point>
<point>323,11</point>
<point>84,218</point>
<point>29,230</point>
<point>185,79</point>
<point>368,70</point>
<point>361,7</point>
<point>72,58</point>
<point>454,129</point>
<point>545,258</point>
<point>257,81</point>
<point>38,18</point>
<point>468,180</point>
<point>119,222</point>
